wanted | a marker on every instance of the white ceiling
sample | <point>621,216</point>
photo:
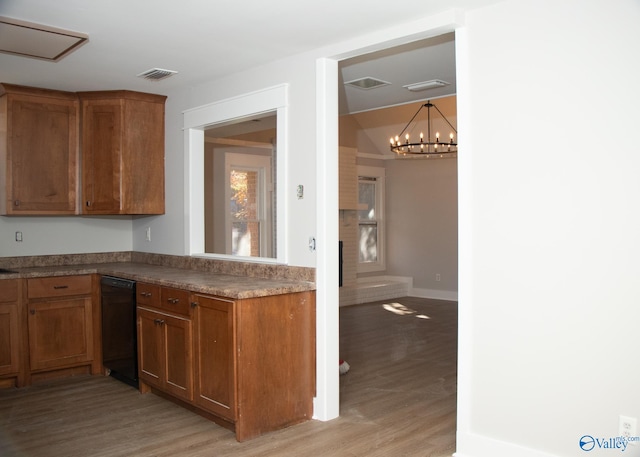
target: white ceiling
<point>206,39</point>
<point>416,62</point>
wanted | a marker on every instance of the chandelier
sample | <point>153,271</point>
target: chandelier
<point>404,145</point>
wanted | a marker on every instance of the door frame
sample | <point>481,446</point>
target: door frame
<point>327,401</point>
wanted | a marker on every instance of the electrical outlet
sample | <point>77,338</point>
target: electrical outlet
<point>437,276</point>
<point>628,428</point>
<point>148,234</point>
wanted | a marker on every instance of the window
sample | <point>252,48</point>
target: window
<point>243,211</point>
<point>370,219</point>
<point>248,215</point>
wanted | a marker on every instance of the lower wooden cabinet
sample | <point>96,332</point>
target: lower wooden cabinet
<point>48,328</point>
<point>60,323</point>
<point>9,339</point>
<point>60,333</point>
<point>249,364</point>
<point>275,349</point>
<point>164,352</point>
<point>215,357</point>
<point>150,348</point>
<point>11,367</point>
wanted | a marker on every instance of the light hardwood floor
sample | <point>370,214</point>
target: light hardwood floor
<point>398,399</point>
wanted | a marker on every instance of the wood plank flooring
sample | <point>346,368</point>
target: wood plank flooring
<point>398,399</point>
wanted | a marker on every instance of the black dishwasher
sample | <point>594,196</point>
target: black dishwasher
<point>119,341</point>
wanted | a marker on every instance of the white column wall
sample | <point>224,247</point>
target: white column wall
<point>549,247</point>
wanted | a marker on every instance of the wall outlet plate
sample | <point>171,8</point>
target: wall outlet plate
<point>628,428</point>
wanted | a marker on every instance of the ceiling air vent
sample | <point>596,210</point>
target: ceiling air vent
<point>424,85</point>
<point>156,74</point>
<point>366,83</point>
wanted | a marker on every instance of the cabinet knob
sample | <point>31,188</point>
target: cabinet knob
<point>88,203</point>
<point>158,321</point>
<point>32,311</point>
<point>173,301</point>
<point>194,304</point>
<point>16,203</point>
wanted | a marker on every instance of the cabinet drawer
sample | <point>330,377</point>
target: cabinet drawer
<point>59,286</point>
<point>147,294</point>
<point>175,300</point>
<point>8,290</point>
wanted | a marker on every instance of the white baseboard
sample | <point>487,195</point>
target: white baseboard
<point>473,445</point>
<point>374,288</point>
<point>449,295</point>
<point>385,287</point>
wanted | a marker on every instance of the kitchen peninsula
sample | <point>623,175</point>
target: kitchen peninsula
<point>232,341</point>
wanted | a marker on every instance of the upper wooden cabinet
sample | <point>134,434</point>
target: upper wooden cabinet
<point>122,152</point>
<point>38,151</point>
<point>121,138</point>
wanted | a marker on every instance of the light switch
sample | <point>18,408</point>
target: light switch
<point>300,191</point>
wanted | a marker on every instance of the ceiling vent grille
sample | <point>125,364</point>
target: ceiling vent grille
<point>367,83</point>
<point>156,74</point>
<point>424,85</point>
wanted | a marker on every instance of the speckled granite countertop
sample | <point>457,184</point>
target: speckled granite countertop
<point>213,283</point>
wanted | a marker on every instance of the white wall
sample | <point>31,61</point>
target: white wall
<point>169,231</point>
<point>64,235</point>
<point>549,224</point>
<point>422,224</point>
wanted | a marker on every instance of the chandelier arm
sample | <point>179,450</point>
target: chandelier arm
<point>443,117</point>
<point>414,116</point>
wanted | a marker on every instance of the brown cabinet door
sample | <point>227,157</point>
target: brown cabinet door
<point>41,154</point>
<point>215,356</point>
<point>164,352</point>
<point>143,184</point>
<point>150,348</point>
<point>122,152</point>
<point>9,339</point>
<point>178,361</point>
<point>60,333</point>
<point>101,156</point>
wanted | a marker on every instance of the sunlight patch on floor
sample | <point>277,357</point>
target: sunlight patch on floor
<point>402,310</point>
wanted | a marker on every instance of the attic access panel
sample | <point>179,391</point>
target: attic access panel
<point>36,40</point>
